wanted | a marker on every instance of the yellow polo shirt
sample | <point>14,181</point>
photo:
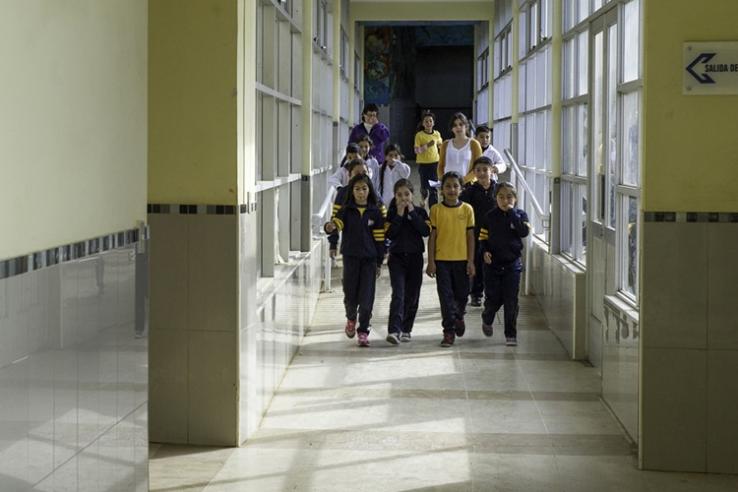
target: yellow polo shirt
<point>431,155</point>
<point>451,224</point>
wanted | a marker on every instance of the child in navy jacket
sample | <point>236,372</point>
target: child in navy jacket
<point>354,167</point>
<point>408,225</point>
<point>481,196</point>
<point>362,248</point>
<point>500,238</point>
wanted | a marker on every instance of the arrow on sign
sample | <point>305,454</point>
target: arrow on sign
<point>701,78</point>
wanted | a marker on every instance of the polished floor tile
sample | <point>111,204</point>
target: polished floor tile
<point>415,417</point>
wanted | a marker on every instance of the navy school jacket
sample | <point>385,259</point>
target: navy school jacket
<point>481,200</point>
<point>501,235</point>
<point>341,195</point>
<point>407,231</point>
<point>363,231</point>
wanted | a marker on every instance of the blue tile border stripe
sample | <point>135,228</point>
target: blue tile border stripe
<point>67,252</point>
<point>696,217</point>
<point>191,209</point>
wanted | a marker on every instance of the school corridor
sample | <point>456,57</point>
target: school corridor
<point>475,417</point>
<point>171,311</point>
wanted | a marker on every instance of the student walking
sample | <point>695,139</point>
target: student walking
<point>484,137</point>
<point>365,146</point>
<point>372,127</point>
<point>459,153</point>
<point>501,240</point>
<point>427,141</point>
<point>362,248</point>
<point>481,196</point>
<point>408,225</point>
<point>391,170</point>
<point>451,255</point>
<point>354,167</point>
<point>341,176</point>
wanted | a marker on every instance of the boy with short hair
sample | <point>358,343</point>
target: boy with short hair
<point>484,137</point>
<point>501,242</point>
<point>481,196</point>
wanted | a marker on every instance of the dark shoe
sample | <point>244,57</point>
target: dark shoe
<point>460,327</point>
<point>350,328</point>
<point>448,339</point>
<point>511,342</point>
<point>475,301</point>
<point>486,329</point>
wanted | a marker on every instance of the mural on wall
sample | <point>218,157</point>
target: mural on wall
<point>389,66</point>
<point>378,64</point>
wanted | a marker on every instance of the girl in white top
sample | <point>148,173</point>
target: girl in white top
<point>391,171</point>
<point>341,177</point>
<point>459,153</point>
<point>365,146</point>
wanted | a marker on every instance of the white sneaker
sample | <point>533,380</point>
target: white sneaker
<point>511,342</point>
<point>405,337</point>
<point>393,339</point>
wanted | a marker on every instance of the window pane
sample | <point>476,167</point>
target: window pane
<point>630,246</point>
<point>567,140</point>
<point>566,217</point>
<point>582,137</point>
<point>581,199</point>
<point>612,120</point>
<point>568,78</point>
<point>583,12</point>
<point>598,99</point>
<point>631,132</point>
<point>582,63</point>
<point>631,51</point>
<point>569,14</point>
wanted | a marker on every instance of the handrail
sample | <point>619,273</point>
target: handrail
<point>322,216</point>
<point>544,218</point>
<point>537,206</point>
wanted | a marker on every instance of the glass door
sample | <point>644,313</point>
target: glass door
<point>603,115</point>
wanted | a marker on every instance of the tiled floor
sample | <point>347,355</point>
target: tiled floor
<point>417,417</point>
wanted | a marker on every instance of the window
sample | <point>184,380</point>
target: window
<point>574,145</point>
<point>278,123</point>
<point>483,69</point>
<point>627,191</point>
<point>535,98</point>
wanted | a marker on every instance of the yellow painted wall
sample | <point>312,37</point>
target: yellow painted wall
<point>72,121</point>
<point>690,142</point>
<point>425,11</point>
<point>193,101</point>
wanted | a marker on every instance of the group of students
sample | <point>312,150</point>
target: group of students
<point>474,231</point>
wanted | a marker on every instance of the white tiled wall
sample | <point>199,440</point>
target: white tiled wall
<point>690,340</point>
<point>559,287</point>
<point>275,313</point>
<point>73,378</point>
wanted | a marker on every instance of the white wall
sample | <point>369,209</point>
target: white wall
<point>73,121</point>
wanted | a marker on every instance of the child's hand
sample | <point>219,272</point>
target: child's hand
<point>495,170</point>
<point>470,270</point>
<point>332,253</point>
<point>329,227</point>
<point>487,257</point>
<point>431,269</point>
<point>410,207</point>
